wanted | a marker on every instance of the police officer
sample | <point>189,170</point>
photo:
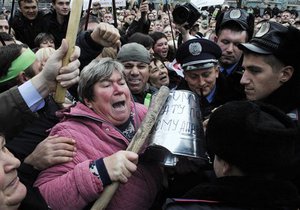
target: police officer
<point>233,26</point>
<point>271,64</point>
<point>199,60</point>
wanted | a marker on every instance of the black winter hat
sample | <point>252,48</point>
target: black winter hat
<point>255,137</point>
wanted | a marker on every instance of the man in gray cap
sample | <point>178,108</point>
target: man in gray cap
<point>136,59</point>
<point>199,61</point>
<point>271,64</point>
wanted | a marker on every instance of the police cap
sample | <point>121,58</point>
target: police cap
<point>198,54</point>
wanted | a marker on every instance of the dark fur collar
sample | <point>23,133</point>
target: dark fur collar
<point>247,191</point>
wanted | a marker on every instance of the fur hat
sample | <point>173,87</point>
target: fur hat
<point>133,52</point>
<point>255,137</point>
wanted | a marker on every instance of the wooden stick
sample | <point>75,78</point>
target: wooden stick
<point>71,35</point>
<point>136,143</point>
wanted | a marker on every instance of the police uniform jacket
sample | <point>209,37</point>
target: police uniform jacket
<point>233,80</point>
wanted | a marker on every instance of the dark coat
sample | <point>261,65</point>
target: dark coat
<point>57,30</point>
<point>23,144</point>
<point>19,113</point>
<point>287,99</point>
<point>240,193</point>
<point>34,132</point>
<point>26,30</point>
<point>233,80</point>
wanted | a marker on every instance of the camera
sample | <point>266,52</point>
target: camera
<point>186,13</point>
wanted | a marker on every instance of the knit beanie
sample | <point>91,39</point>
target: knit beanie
<point>133,52</point>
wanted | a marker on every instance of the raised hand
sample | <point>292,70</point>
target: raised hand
<point>106,35</point>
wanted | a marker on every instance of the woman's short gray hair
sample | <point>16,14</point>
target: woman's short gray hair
<point>97,70</point>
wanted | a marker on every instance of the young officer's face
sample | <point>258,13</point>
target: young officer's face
<point>228,41</point>
<point>259,79</point>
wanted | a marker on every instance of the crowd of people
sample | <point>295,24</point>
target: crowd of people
<point>242,63</point>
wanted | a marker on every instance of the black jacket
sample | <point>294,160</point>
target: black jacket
<point>241,192</point>
<point>233,80</point>
<point>287,99</point>
<point>26,30</point>
<point>23,144</point>
<point>57,30</point>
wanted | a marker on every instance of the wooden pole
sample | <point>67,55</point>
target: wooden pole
<point>136,143</point>
<point>71,35</point>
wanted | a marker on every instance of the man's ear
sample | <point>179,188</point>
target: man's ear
<point>22,78</point>
<point>217,69</point>
<point>226,168</point>
<point>216,39</point>
<point>286,73</point>
<point>88,103</point>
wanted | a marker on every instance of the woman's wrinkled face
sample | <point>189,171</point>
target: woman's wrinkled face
<point>12,191</point>
<point>158,74</point>
<point>112,99</point>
